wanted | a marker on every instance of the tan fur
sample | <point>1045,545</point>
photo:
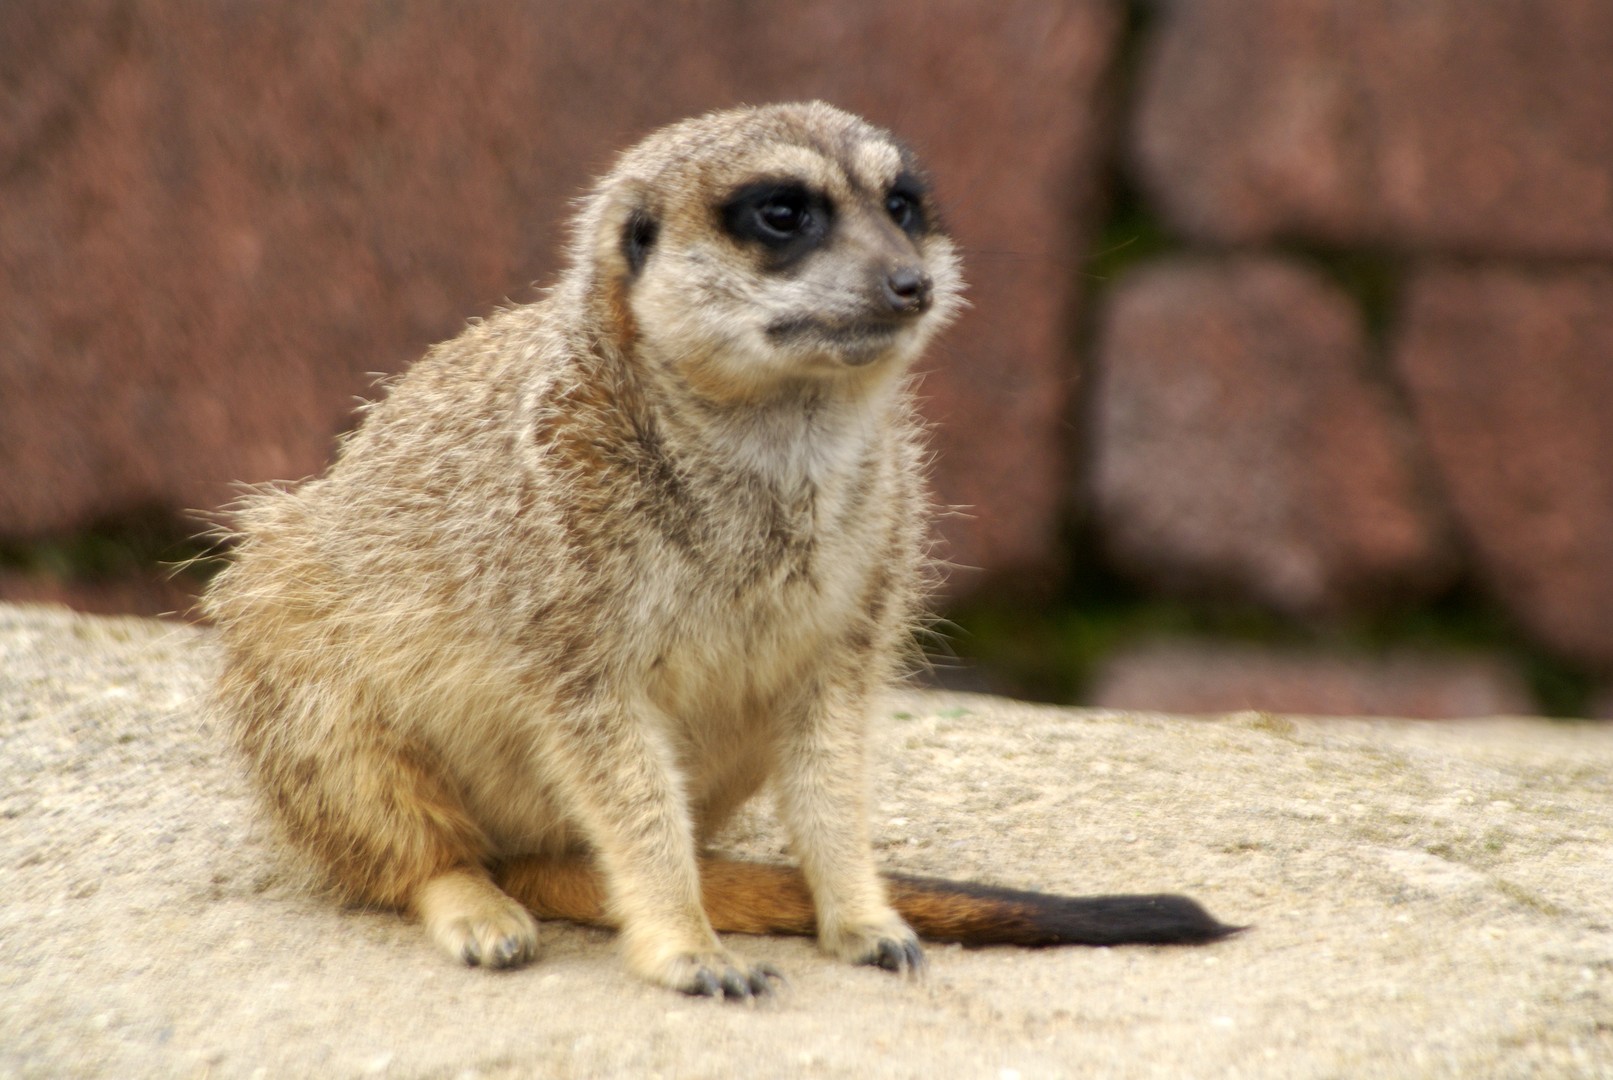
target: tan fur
<point>596,570</point>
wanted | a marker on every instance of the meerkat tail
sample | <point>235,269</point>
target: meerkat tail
<point>739,897</point>
<point>760,898</point>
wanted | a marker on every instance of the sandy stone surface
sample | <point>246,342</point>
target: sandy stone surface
<point>1427,900</point>
<point>1187,676</point>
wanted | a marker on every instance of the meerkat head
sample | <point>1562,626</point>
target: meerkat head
<point>760,250</point>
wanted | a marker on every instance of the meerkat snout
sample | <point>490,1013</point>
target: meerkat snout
<point>907,290</point>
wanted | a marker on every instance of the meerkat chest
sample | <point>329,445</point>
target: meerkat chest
<point>768,604</point>
<point>736,671</point>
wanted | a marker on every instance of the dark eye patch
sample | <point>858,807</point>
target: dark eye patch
<point>785,217</point>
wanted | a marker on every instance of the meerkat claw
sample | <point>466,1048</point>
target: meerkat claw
<point>900,957</point>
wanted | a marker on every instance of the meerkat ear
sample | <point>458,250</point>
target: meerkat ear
<point>624,237</point>
<point>639,233</point>
<point>628,229</point>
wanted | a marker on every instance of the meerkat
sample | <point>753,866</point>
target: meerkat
<point>592,573</point>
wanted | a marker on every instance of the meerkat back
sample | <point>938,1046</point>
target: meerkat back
<point>590,574</point>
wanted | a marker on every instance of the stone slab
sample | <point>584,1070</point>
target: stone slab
<point>1427,900</point>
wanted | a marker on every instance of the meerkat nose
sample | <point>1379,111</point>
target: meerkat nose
<point>907,290</point>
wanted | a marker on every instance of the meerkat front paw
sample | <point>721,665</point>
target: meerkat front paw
<point>722,975</point>
<point>712,973</point>
<point>888,943</point>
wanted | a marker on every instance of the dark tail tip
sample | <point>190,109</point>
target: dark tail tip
<point>1159,919</point>
<point>986,915</point>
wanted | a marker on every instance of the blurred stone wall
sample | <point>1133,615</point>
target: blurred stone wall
<point>1379,356</point>
<point>217,219</point>
<point>1356,349</point>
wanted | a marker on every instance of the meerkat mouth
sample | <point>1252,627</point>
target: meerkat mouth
<point>855,343</point>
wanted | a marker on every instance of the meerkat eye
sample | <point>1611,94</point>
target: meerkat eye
<point>900,208</point>
<point>904,203</point>
<point>786,213</point>
<point>786,217</point>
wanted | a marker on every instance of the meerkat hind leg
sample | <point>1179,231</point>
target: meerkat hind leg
<point>377,810</point>
<point>475,921</point>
